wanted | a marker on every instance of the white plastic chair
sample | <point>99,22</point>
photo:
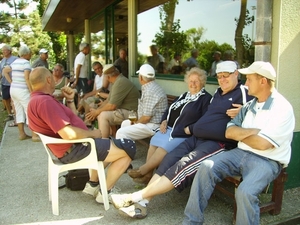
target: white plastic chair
<point>55,167</point>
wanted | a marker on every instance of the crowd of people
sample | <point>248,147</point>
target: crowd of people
<point>197,141</point>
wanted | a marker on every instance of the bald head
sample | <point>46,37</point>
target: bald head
<point>39,78</point>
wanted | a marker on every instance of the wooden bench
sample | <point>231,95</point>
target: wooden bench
<point>273,206</point>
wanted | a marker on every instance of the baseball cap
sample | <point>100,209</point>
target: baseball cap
<point>126,144</point>
<point>264,69</point>
<point>109,69</point>
<point>43,50</point>
<point>226,66</point>
<point>146,71</point>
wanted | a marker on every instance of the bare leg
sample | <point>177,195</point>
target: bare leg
<point>119,162</point>
<point>153,161</point>
<point>157,186</point>
<point>103,123</point>
<point>22,134</point>
<point>7,105</point>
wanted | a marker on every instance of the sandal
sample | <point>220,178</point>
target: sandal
<point>24,138</point>
<point>13,124</point>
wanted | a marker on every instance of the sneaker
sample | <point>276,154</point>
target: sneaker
<point>121,200</point>
<point>99,197</point>
<point>90,190</point>
<point>136,211</point>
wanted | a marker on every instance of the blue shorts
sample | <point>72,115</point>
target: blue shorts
<point>165,141</point>
<point>80,151</point>
<point>5,92</point>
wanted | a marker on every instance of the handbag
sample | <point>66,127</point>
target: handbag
<point>76,179</point>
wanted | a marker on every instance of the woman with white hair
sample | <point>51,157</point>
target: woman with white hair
<point>20,89</point>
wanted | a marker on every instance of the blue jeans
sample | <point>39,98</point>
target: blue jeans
<point>257,173</point>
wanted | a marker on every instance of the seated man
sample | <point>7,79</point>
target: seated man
<point>151,107</point>
<point>264,132</point>
<point>100,90</point>
<point>122,98</point>
<point>47,116</point>
<point>179,167</point>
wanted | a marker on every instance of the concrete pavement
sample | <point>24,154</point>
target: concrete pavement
<point>24,194</point>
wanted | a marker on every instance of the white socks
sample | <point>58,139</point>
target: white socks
<point>137,197</point>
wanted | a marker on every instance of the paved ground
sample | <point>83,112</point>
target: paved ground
<point>24,196</point>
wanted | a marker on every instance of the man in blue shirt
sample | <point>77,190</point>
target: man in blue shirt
<point>179,167</point>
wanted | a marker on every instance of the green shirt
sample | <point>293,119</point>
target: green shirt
<point>124,94</point>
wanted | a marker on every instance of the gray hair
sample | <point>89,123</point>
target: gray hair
<point>61,66</point>
<point>97,63</point>
<point>24,50</point>
<point>83,45</point>
<point>147,79</point>
<point>202,75</point>
<point>7,47</point>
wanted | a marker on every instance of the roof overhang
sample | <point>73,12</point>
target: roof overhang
<point>69,16</point>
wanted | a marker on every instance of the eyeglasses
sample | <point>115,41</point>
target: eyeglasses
<point>224,76</point>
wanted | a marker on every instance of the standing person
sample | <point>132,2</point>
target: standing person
<point>183,113</point>
<point>121,63</point>
<point>192,61</point>
<point>157,61</point>
<point>81,69</point>
<point>42,59</point>
<point>264,133</point>
<point>179,167</point>
<point>151,107</point>
<point>49,117</point>
<point>217,59</point>
<point>8,59</point>
<point>20,90</point>
<point>122,98</point>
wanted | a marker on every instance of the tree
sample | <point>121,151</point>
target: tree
<point>58,39</point>
<point>243,43</point>
<point>207,48</point>
<point>170,39</point>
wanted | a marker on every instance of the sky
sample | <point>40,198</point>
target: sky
<point>216,16</point>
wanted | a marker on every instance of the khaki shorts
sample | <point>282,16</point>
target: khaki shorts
<point>117,117</point>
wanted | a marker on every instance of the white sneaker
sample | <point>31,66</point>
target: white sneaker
<point>99,197</point>
<point>89,190</point>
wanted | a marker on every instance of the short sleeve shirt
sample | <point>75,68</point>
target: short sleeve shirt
<point>153,102</point>
<point>276,126</point>
<point>124,94</point>
<point>81,60</point>
<point>46,115</point>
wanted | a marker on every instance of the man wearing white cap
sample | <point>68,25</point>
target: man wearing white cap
<point>264,130</point>
<point>178,168</point>
<point>42,60</point>
<point>151,107</point>
<point>122,98</point>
